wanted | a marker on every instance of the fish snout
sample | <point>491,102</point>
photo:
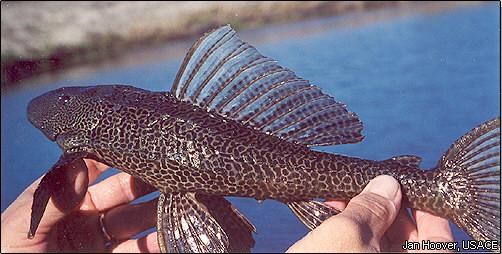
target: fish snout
<point>49,111</point>
<point>57,111</point>
<point>38,115</point>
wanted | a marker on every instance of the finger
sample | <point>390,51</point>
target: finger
<point>375,208</point>
<point>361,225</point>
<point>16,216</point>
<point>144,244</point>
<point>116,190</point>
<point>95,169</point>
<point>125,221</point>
<point>340,205</point>
<point>431,227</point>
<point>402,229</point>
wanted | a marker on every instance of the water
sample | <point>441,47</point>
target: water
<point>417,82</point>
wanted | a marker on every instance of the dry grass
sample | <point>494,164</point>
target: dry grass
<point>44,36</point>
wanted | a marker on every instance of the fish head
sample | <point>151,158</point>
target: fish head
<point>63,110</point>
<point>80,108</point>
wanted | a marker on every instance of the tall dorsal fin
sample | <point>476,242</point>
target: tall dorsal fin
<point>227,76</point>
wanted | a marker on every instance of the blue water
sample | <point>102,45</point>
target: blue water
<point>417,82</point>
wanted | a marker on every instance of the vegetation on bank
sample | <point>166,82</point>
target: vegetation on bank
<point>41,37</point>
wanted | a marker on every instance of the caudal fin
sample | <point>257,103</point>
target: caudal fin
<point>472,169</point>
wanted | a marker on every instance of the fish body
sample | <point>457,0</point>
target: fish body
<point>237,124</point>
<point>147,134</point>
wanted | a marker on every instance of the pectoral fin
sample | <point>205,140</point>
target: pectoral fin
<point>192,222</point>
<point>312,213</point>
<point>57,184</point>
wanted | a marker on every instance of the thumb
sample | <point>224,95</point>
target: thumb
<point>375,208</point>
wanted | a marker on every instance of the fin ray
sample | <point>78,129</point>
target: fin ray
<point>475,157</point>
<point>209,100</point>
<point>192,57</point>
<point>175,234</point>
<point>268,107</point>
<point>214,71</point>
<point>242,80</point>
<point>199,223</point>
<point>312,213</point>
<point>281,77</point>
<point>237,227</point>
<point>306,122</point>
<point>227,76</point>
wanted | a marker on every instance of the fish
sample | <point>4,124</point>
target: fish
<point>236,123</point>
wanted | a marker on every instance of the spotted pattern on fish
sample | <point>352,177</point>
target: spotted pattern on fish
<point>178,147</point>
<point>237,124</point>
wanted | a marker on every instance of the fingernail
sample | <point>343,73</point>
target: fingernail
<point>383,185</point>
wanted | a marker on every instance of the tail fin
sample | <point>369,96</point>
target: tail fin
<point>472,167</point>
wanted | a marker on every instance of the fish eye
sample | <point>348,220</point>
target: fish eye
<point>64,98</point>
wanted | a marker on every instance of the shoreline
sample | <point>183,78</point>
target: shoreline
<point>91,32</point>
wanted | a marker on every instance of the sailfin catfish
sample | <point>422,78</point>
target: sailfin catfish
<point>236,123</point>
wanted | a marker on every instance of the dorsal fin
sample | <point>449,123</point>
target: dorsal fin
<point>407,160</point>
<point>227,76</point>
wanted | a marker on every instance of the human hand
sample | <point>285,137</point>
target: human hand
<point>374,221</point>
<point>79,229</point>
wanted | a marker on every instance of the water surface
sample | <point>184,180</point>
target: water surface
<point>417,82</point>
